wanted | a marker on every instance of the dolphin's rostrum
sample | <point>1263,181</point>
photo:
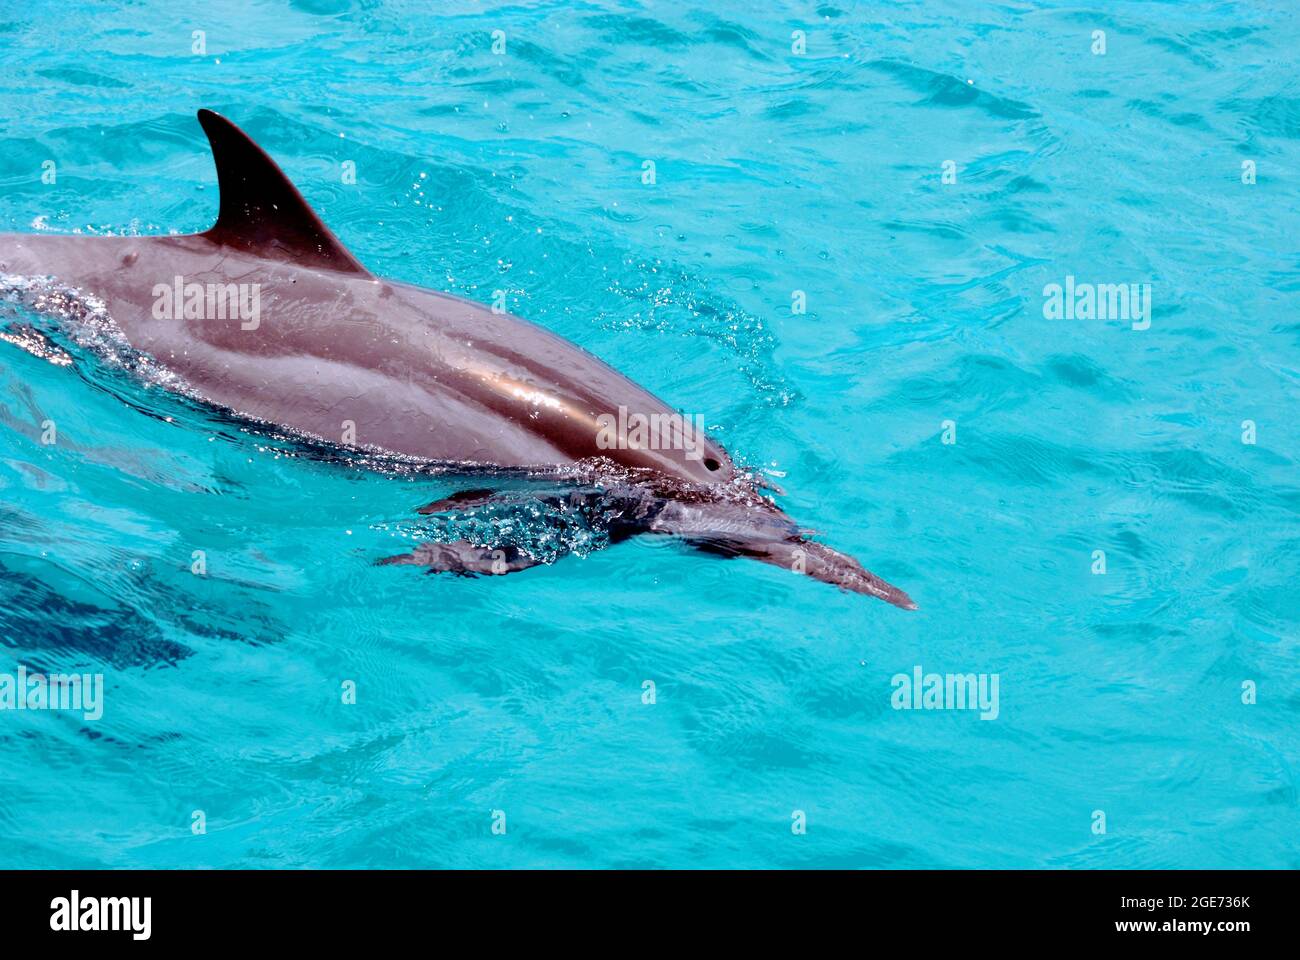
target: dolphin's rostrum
<point>269,316</point>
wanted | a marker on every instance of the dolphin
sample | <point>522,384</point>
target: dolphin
<point>268,316</point>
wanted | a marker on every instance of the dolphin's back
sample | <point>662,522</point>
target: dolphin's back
<point>336,353</point>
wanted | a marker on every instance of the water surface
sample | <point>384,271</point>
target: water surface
<point>774,172</point>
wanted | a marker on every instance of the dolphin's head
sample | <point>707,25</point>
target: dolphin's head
<point>716,463</point>
<point>650,435</point>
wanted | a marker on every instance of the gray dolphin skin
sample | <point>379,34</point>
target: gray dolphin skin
<point>417,373</point>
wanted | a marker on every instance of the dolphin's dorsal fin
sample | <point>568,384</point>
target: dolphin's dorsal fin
<point>261,211</point>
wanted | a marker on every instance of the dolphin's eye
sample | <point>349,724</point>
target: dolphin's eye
<point>711,463</point>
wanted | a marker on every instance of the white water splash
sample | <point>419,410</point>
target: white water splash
<point>82,318</point>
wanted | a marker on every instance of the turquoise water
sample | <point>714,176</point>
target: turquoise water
<point>775,172</point>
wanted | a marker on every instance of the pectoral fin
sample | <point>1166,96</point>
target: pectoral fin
<point>465,559</point>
